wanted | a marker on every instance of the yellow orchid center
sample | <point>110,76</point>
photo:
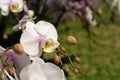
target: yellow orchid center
<point>14,7</point>
<point>48,45</point>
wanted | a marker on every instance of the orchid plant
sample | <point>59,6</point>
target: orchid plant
<point>35,40</point>
<point>24,61</point>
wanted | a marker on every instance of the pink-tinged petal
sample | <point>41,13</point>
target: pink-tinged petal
<point>32,72</point>
<point>29,40</point>
<point>52,72</point>
<point>47,29</point>
<point>19,61</point>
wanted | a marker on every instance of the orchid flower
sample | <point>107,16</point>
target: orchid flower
<point>39,70</point>
<point>11,5</point>
<point>19,61</point>
<point>89,17</point>
<point>22,23</point>
<point>39,37</point>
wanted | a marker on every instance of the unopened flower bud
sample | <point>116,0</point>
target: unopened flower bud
<point>71,40</point>
<point>76,71</point>
<point>18,48</point>
<point>56,59</point>
<point>99,11</point>
<point>77,59</point>
<point>10,70</point>
<point>66,70</point>
<point>63,49</point>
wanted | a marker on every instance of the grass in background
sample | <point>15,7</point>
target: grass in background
<point>99,54</point>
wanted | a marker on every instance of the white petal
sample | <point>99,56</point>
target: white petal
<point>20,4</point>
<point>32,72</point>
<point>56,44</point>
<point>46,28</point>
<point>29,40</point>
<point>39,60</point>
<point>5,13</point>
<point>20,62</point>
<point>1,49</point>
<point>4,5</point>
<point>53,72</point>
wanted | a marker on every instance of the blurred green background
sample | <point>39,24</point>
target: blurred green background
<point>99,53</point>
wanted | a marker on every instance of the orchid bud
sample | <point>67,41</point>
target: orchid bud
<point>63,49</point>
<point>10,70</point>
<point>66,70</point>
<point>18,48</point>
<point>71,40</point>
<point>99,11</point>
<point>2,74</point>
<point>76,71</point>
<point>77,59</point>
<point>56,59</point>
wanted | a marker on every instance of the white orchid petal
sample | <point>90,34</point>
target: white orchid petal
<point>19,3</point>
<point>39,70</point>
<point>46,28</point>
<point>53,72</point>
<point>5,13</point>
<point>4,9</point>
<point>56,44</point>
<point>29,40</point>
<point>4,5</point>
<point>39,60</point>
<point>43,27</point>
<point>32,72</point>
<point>20,62</point>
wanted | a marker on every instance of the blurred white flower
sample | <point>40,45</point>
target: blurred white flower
<point>11,5</point>
<point>39,70</point>
<point>89,17</point>
<point>39,37</point>
<point>28,12</point>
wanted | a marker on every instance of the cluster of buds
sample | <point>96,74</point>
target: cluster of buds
<point>62,55</point>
